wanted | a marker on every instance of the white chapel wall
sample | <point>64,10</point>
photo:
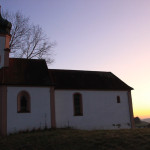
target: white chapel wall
<point>39,117</point>
<point>100,110</point>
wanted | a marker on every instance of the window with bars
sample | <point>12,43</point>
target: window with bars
<point>23,102</point>
<point>78,108</point>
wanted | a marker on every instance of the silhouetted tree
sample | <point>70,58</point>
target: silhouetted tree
<point>137,120</point>
<point>27,40</point>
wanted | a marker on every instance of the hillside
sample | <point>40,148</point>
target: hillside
<point>147,120</point>
<point>140,123</point>
<point>69,139</point>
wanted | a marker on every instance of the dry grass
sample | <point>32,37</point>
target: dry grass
<point>69,139</point>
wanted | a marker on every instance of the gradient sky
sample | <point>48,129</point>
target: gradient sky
<point>102,35</point>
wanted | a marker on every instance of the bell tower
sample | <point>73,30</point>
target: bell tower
<point>5,37</point>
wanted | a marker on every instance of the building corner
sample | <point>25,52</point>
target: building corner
<point>131,110</point>
<point>3,110</point>
<point>52,107</point>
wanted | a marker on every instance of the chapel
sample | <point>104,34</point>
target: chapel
<point>33,96</point>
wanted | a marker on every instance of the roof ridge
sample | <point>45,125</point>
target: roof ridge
<point>80,70</point>
<point>25,58</point>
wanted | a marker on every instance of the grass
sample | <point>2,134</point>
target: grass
<point>141,124</point>
<point>69,139</point>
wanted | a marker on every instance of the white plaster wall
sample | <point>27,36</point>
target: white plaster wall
<point>40,109</point>
<point>2,47</point>
<point>100,110</point>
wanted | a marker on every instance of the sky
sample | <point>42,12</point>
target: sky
<point>98,35</point>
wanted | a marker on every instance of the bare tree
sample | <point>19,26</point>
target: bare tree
<point>27,40</point>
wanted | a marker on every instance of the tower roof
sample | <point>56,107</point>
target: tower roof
<point>5,26</point>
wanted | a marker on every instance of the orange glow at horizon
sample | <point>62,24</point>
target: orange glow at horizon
<point>141,113</point>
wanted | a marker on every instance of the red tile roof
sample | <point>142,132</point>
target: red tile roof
<point>93,80</point>
<point>34,72</point>
<point>31,72</point>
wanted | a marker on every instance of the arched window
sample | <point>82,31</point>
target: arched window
<point>77,101</point>
<point>118,99</point>
<point>23,102</point>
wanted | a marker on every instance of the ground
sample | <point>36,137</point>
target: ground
<point>70,139</point>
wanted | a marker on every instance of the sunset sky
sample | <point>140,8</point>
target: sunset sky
<point>101,35</point>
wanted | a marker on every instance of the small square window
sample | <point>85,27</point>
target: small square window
<point>78,108</point>
<point>118,99</point>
